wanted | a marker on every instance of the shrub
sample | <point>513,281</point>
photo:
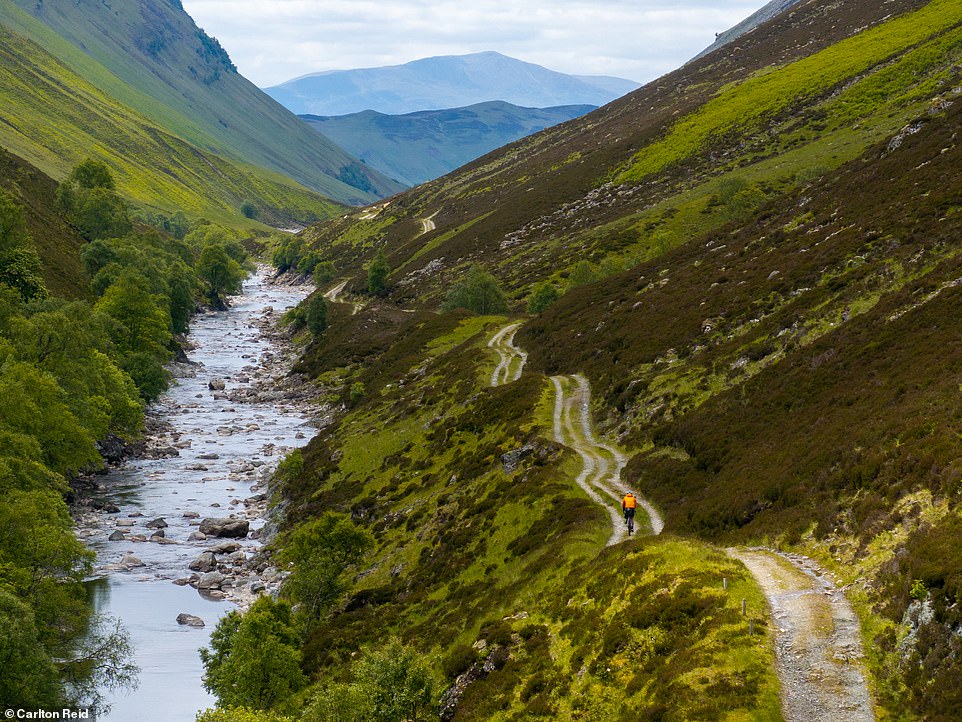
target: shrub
<point>377,273</point>
<point>478,291</point>
<point>544,295</point>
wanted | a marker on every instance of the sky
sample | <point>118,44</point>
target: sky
<point>272,41</point>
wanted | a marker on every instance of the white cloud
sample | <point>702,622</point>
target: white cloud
<point>274,40</point>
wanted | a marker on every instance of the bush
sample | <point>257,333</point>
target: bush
<point>377,273</point>
<point>478,291</point>
<point>315,315</point>
<point>544,295</point>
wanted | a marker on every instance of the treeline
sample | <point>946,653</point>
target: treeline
<point>74,373</point>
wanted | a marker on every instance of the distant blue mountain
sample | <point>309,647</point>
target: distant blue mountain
<point>418,147</point>
<point>451,81</point>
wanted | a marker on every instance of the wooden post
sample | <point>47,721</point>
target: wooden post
<point>743,607</point>
<point>751,627</point>
<point>725,583</point>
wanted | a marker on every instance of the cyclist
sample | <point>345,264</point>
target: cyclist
<point>628,505</point>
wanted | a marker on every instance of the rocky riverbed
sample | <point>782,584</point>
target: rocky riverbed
<point>190,508</point>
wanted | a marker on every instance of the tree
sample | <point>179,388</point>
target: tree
<point>221,274</point>
<point>392,683</point>
<point>543,295</point>
<point>582,274</point>
<point>323,273</point>
<point>316,314</point>
<point>322,551</point>
<point>89,200</point>
<point>478,291</point>
<point>254,659</point>
<point>29,676</point>
<point>102,661</point>
<point>377,273</point>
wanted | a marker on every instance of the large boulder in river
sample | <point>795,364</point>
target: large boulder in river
<point>206,562</point>
<point>211,580</point>
<point>233,528</point>
<point>190,620</point>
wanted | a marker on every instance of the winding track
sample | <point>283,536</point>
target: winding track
<point>817,639</point>
<point>600,476</point>
<point>511,355</point>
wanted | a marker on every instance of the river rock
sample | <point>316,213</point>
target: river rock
<point>225,547</point>
<point>211,580</point>
<point>125,522</point>
<point>191,515</point>
<point>157,523</point>
<point>220,527</point>
<point>157,535</point>
<point>206,562</point>
<point>189,620</point>
<point>197,536</point>
<point>116,536</point>
<point>130,561</point>
<point>216,385</point>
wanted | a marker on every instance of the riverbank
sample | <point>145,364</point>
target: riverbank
<point>212,443</point>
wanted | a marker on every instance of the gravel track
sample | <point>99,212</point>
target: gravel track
<point>510,355</point>
<point>818,645</point>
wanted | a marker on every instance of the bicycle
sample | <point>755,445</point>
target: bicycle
<point>630,520</point>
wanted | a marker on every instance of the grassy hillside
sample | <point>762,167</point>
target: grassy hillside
<point>54,119</point>
<point>480,563</point>
<point>57,243</point>
<point>150,56</point>
<point>421,146</point>
<point>773,329</point>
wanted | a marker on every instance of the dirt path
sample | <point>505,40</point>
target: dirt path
<point>600,475</point>
<point>427,224</point>
<point>513,358</point>
<point>817,640</point>
<point>335,292</point>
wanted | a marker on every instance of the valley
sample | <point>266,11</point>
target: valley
<point>733,291</point>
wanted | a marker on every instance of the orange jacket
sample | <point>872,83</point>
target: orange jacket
<point>629,502</point>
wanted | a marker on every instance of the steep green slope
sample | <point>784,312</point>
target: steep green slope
<point>53,118</point>
<point>489,558</point>
<point>150,56</point>
<point>781,352</point>
<point>418,147</point>
<point>646,172</point>
<point>57,243</point>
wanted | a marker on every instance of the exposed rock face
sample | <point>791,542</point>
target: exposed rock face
<point>231,528</point>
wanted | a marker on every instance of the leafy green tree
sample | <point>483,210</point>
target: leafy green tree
<point>543,295</point>
<point>30,678</point>
<point>581,274</point>
<point>221,274</point>
<point>102,661</point>
<point>20,269</point>
<point>316,314</point>
<point>322,552</point>
<point>254,660</point>
<point>13,228</point>
<point>478,291</point>
<point>377,273</point>
<point>240,714</point>
<point>392,683</point>
<point>90,202</point>
<point>323,273</point>
<point>249,210</point>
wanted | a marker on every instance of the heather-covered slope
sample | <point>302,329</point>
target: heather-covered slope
<point>797,97</point>
<point>775,335</point>
<point>149,55</point>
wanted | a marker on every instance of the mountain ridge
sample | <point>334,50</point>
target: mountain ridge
<point>443,82</point>
<point>417,147</point>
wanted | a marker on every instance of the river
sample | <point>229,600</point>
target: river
<point>226,442</point>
